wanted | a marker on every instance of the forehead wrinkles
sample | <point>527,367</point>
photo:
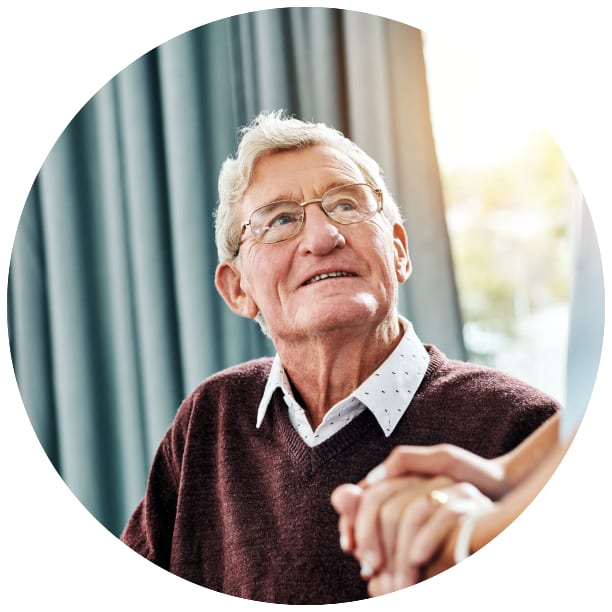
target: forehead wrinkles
<point>326,168</point>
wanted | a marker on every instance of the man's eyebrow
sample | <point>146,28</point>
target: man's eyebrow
<point>292,196</point>
<point>283,196</point>
<point>339,183</point>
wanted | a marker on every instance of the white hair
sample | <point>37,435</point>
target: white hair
<point>269,133</point>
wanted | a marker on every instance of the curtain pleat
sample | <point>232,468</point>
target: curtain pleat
<point>150,240</point>
<point>132,446</point>
<point>191,194</point>
<point>29,327</point>
<point>400,138</point>
<point>113,314</point>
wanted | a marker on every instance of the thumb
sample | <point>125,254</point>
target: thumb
<point>345,500</point>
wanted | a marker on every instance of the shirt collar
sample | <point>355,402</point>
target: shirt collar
<point>277,378</point>
<point>387,392</point>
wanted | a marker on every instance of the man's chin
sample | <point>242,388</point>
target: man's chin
<point>323,318</point>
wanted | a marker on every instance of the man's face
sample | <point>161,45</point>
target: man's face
<point>280,280</point>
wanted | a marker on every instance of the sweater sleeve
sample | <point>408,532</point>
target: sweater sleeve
<point>150,528</point>
<point>530,412</point>
<point>477,408</point>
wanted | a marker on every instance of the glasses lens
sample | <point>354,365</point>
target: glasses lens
<point>277,221</point>
<point>350,204</point>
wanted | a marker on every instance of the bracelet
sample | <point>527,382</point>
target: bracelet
<point>467,525</point>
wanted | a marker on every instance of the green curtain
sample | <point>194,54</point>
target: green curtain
<point>113,315</point>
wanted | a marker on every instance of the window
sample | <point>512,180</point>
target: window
<point>508,195</point>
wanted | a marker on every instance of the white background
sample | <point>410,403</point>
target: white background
<point>55,56</point>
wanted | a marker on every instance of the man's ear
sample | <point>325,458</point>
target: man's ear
<point>228,282</point>
<point>403,265</point>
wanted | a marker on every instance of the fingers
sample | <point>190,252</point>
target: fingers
<point>388,524</point>
<point>368,520</point>
<point>435,523</point>
<point>424,542</point>
<point>383,583</point>
<point>402,518</point>
<point>427,460</point>
<point>391,525</point>
<point>457,463</point>
<point>389,497</point>
<point>345,499</point>
<point>415,515</point>
<point>415,531</point>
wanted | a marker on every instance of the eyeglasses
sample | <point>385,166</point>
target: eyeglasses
<point>284,219</point>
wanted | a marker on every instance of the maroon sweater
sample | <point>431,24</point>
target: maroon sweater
<point>246,511</point>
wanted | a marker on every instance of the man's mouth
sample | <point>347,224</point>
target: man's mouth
<point>320,277</point>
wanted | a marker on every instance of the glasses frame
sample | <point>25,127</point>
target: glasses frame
<point>245,224</point>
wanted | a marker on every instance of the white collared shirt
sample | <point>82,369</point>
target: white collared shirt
<point>387,393</point>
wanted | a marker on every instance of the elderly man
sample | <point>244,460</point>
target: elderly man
<point>311,245</point>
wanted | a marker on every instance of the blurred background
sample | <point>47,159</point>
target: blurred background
<point>113,316</point>
<point>510,200</point>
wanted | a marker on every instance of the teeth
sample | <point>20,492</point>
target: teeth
<point>319,277</point>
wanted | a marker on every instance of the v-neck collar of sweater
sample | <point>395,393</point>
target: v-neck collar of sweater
<point>307,460</point>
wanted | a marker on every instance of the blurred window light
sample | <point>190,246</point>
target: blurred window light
<point>508,195</point>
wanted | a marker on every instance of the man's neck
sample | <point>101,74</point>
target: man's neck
<point>326,368</point>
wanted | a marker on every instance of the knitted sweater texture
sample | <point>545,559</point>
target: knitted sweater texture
<point>246,511</point>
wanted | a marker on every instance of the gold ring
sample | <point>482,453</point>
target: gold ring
<point>439,498</point>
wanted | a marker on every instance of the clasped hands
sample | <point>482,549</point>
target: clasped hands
<point>402,520</point>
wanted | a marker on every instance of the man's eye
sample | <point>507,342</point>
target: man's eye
<point>283,219</point>
<point>343,206</point>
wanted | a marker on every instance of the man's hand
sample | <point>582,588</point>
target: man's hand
<point>370,516</point>
<point>396,527</point>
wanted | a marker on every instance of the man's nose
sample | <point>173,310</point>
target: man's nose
<point>320,235</point>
